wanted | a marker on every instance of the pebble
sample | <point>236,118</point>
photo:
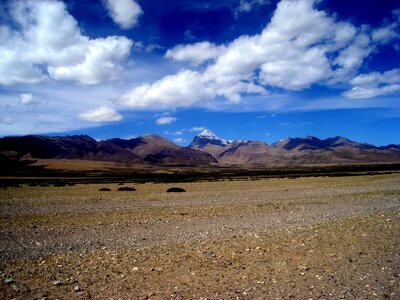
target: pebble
<point>9,280</point>
<point>57,282</point>
<point>77,289</point>
<point>157,269</point>
<point>303,268</point>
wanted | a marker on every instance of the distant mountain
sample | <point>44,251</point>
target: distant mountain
<point>210,143</point>
<point>313,143</point>
<point>207,137</point>
<point>308,150</point>
<point>145,149</point>
<point>67,147</point>
<point>205,149</point>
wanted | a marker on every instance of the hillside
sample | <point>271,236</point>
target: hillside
<point>205,149</point>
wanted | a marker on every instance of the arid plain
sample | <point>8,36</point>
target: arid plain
<point>277,238</point>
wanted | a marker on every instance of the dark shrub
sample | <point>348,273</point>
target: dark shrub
<point>176,190</point>
<point>127,189</point>
<point>104,190</point>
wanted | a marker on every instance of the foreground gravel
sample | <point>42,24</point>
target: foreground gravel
<point>322,238</point>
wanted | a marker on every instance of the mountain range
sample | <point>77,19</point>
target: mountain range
<point>205,149</point>
<point>297,151</point>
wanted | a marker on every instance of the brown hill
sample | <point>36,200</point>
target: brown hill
<point>67,147</point>
<point>205,150</point>
<point>158,150</point>
<point>297,151</point>
<point>146,149</point>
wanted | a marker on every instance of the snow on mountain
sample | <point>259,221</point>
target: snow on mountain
<point>207,137</point>
<point>208,134</point>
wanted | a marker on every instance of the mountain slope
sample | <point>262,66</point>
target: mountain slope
<point>293,151</point>
<point>68,147</point>
<point>144,149</point>
<point>206,149</point>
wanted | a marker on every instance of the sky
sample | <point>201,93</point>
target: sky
<point>245,69</point>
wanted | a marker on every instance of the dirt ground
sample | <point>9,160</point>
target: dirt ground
<point>304,238</point>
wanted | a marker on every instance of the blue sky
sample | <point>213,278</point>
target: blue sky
<point>246,69</point>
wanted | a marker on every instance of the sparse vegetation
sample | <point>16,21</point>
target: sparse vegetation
<point>126,189</point>
<point>312,237</point>
<point>176,190</point>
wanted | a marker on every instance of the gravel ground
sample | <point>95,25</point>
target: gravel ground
<point>304,238</point>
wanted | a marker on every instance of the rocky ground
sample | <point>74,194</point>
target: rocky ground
<point>304,238</point>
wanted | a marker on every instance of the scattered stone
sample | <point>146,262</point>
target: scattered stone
<point>135,269</point>
<point>303,268</point>
<point>157,269</point>
<point>9,280</point>
<point>176,190</point>
<point>77,289</point>
<point>57,282</point>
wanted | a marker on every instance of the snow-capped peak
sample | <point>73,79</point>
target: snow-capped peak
<point>208,137</point>
<point>208,134</point>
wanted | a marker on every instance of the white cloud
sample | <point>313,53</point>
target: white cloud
<point>388,31</point>
<point>50,44</point>
<point>125,13</point>
<point>374,84</point>
<point>200,128</point>
<point>7,121</point>
<point>385,34</point>
<point>291,55</point>
<point>248,5</point>
<point>99,64</point>
<point>60,105</point>
<point>179,140</point>
<point>165,120</point>
<point>182,89</point>
<point>178,132</point>
<point>300,46</point>
<point>365,93</point>
<point>29,99</point>
<point>186,88</point>
<point>196,53</point>
<point>101,115</point>
<point>152,47</point>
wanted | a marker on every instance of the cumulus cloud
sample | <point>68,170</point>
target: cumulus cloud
<point>101,114</point>
<point>125,13</point>
<point>300,46</point>
<point>174,90</point>
<point>374,84</point>
<point>165,120</point>
<point>196,53</point>
<point>49,44</point>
